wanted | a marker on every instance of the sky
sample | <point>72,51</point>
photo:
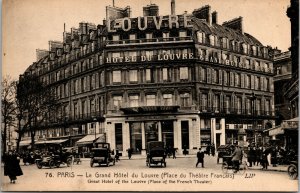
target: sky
<point>28,25</point>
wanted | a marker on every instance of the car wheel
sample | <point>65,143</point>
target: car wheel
<point>225,167</point>
<point>91,163</point>
<point>293,172</point>
<point>39,165</point>
<point>69,162</point>
<point>51,164</point>
<point>57,165</point>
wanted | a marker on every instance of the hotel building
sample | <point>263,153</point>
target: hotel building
<point>182,79</point>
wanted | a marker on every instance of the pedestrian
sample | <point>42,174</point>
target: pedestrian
<point>129,153</point>
<point>117,155</point>
<point>259,156</point>
<point>237,156</point>
<point>174,152</point>
<point>213,149</point>
<point>265,155</point>
<point>12,167</point>
<point>208,149</point>
<point>274,156</point>
<point>200,158</point>
<point>251,155</point>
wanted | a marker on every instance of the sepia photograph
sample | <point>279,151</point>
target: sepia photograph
<point>150,95</point>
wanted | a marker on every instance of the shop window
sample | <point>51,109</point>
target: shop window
<point>136,137</point>
<point>119,136</point>
<point>151,131</point>
<point>185,140</point>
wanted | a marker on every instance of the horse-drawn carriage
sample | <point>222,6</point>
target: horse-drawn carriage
<point>156,154</point>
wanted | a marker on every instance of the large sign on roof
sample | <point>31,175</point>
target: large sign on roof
<point>143,23</point>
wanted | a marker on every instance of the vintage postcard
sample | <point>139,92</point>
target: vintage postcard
<point>149,95</point>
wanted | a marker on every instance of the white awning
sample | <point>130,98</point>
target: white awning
<point>58,141</point>
<point>25,143</point>
<point>89,139</point>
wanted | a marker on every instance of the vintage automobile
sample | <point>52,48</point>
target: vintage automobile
<point>156,154</point>
<point>224,150</point>
<point>293,170</point>
<point>75,154</point>
<point>54,160</point>
<point>102,156</point>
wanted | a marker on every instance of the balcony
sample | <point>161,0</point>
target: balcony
<point>234,111</point>
<point>110,43</point>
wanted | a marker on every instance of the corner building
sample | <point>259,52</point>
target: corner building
<point>182,79</point>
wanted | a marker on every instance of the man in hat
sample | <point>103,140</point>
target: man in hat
<point>200,157</point>
<point>237,156</point>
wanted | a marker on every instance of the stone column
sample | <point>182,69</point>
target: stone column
<point>213,130</point>
<point>143,138</point>
<point>223,126</point>
<point>126,136</point>
<point>159,131</point>
<point>110,135</point>
<point>179,143</point>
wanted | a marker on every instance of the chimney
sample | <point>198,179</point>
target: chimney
<point>214,17</point>
<point>172,7</point>
<point>150,10</point>
<point>235,24</point>
<point>203,13</point>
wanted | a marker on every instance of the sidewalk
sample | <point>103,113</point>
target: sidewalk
<point>278,168</point>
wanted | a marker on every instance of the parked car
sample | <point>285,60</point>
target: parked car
<point>156,154</point>
<point>102,156</point>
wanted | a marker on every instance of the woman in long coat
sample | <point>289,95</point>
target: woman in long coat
<point>12,167</point>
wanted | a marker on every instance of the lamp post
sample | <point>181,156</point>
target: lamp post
<point>253,98</point>
<point>95,121</point>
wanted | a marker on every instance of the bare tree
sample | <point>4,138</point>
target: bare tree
<point>8,108</point>
<point>35,102</point>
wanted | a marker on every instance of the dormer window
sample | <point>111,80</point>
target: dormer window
<point>201,37</point>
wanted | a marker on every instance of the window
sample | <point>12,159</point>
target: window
<point>149,75</point>
<point>134,101</point>
<point>149,36</point>
<point>83,107</point>
<point>226,78</point>
<point>237,80</point>
<point>248,81</point>
<point>258,106</point>
<point>119,136</point>
<point>116,54</point>
<point>184,73</point>
<point>82,85</point>
<point>201,37</point>
<point>185,135</point>
<point>92,106</point>
<point>166,74</point>
<point>115,37</point>
<point>257,83</point>
<point>167,99</point>
<point>133,76</point>
<point>267,84</point>
<point>227,104</point>
<point>117,76</point>
<point>203,74</point>
<point>204,101</point>
<point>185,100</point>
<point>215,76</point>
<point>212,40</point>
<point>239,105</point>
<point>117,102</point>
<point>216,103</point>
<point>132,36</point>
<point>165,35</point>
<point>225,43</point>
<point>150,100</point>
<point>182,34</point>
<point>248,106</point>
<point>267,107</point>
